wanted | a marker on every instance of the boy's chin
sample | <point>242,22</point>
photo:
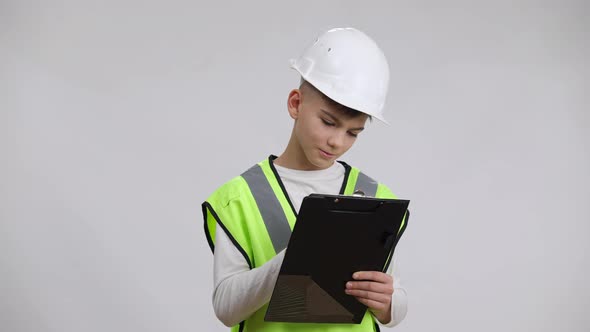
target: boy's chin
<point>321,163</point>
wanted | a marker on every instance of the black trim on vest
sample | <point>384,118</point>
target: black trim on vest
<point>207,234</point>
<point>377,329</point>
<point>347,169</point>
<point>207,205</point>
<point>399,235</point>
<point>271,158</point>
<point>242,324</point>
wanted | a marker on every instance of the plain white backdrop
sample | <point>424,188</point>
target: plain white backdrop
<point>118,118</point>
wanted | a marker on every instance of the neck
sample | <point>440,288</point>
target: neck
<point>294,158</point>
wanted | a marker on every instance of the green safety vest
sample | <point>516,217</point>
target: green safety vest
<point>255,212</point>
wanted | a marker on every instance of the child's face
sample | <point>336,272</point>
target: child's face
<point>324,132</point>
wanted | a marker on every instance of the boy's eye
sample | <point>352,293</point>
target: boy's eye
<point>327,123</point>
<point>352,134</point>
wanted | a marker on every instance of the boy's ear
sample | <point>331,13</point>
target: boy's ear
<point>294,102</point>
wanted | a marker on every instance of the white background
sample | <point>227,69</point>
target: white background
<point>118,118</point>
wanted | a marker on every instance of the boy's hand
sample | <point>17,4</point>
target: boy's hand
<point>373,289</point>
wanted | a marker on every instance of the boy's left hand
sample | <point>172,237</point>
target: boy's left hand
<point>373,289</point>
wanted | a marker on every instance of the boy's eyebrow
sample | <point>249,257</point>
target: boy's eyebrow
<point>338,120</point>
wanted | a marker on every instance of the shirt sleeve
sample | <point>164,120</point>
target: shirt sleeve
<point>238,290</point>
<point>399,298</point>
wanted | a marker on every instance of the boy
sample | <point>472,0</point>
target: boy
<point>345,78</point>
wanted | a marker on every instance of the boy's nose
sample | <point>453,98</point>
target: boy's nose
<point>335,141</point>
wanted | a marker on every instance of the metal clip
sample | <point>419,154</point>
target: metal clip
<point>358,193</point>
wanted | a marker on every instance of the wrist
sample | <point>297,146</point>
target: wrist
<point>383,316</point>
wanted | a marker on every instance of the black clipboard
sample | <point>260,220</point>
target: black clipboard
<point>334,236</point>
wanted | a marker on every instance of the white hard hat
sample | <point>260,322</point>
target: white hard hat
<point>347,66</point>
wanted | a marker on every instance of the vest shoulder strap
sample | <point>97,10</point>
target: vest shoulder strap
<point>358,181</point>
<point>269,205</point>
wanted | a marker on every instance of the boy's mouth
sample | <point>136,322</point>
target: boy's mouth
<point>326,154</point>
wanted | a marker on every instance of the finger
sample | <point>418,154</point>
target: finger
<point>373,296</point>
<point>373,275</point>
<point>370,286</point>
<point>372,304</point>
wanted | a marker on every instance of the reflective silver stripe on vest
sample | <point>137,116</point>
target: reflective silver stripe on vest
<point>269,206</point>
<point>366,185</point>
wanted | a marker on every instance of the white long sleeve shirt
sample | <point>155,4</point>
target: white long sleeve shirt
<point>239,291</point>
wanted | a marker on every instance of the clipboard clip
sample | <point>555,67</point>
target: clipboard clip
<point>359,193</point>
